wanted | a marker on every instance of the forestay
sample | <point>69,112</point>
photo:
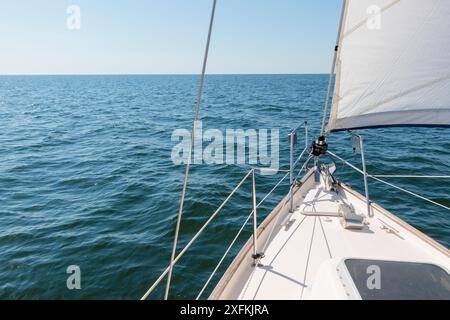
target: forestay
<point>393,65</point>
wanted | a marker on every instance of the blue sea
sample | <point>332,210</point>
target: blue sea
<point>87,179</point>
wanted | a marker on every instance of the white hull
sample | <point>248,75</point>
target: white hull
<point>305,251</point>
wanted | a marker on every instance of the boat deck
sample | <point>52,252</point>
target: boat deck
<point>302,255</point>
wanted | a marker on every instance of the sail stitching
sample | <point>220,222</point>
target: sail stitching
<point>378,83</point>
<point>406,92</point>
<point>388,75</point>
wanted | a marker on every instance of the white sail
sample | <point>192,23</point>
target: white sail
<point>393,65</point>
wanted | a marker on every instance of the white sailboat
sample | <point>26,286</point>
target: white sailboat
<point>325,240</point>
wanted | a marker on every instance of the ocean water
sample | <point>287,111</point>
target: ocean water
<point>86,177</point>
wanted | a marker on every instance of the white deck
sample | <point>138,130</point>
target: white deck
<point>301,258</point>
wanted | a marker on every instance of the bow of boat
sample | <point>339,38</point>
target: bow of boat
<point>331,248</point>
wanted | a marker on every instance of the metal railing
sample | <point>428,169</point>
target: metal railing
<point>359,140</point>
<point>374,177</point>
<point>178,257</point>
<point>292,164</point>
<point>256,255</point>
<point>292,167</point>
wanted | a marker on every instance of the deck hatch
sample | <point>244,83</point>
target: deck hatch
<point>398,280</point>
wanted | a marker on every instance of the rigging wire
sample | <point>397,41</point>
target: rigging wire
<point>410,177</point>
<point>247,220</point>
<point>188,163</point>
<point>387,183</point>
<point>237,236</point>
<point>205,225</point>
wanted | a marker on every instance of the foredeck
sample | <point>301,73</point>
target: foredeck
<point>303,255</point>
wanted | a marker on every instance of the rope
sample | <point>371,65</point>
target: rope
<point>387,183</point>
<point>155,284</point>
<point>188,164</point>
<point>236,237</point>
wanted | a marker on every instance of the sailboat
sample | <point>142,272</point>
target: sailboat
<point>324,240</point>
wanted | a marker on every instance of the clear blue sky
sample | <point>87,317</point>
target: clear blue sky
<point>167,36</point>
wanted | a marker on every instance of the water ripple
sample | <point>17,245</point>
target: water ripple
<point>86,176</point>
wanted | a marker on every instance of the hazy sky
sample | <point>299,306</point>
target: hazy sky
<point>167,36</point>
